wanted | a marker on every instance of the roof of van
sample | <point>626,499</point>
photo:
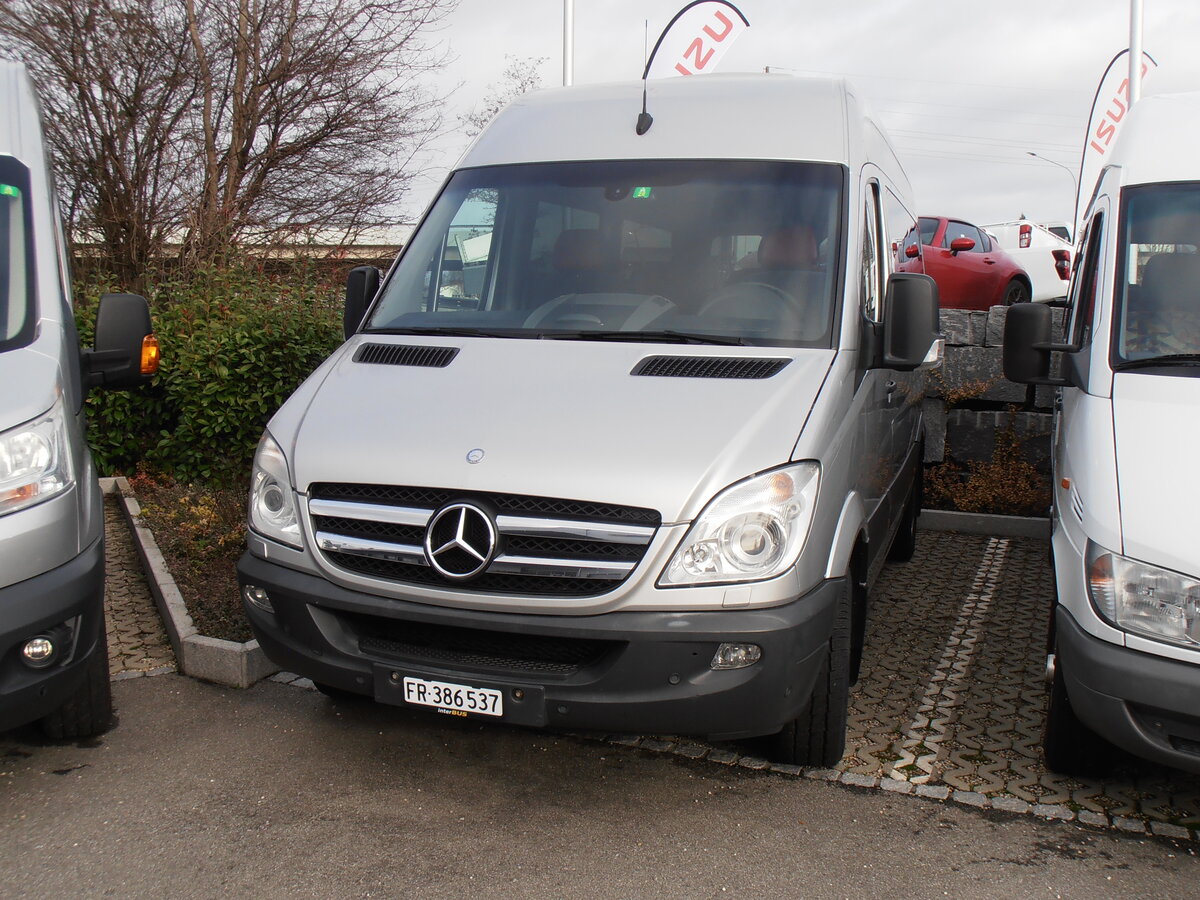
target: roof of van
<point>20,124</point>
<point>1159,140</point>
<point>747,116</point>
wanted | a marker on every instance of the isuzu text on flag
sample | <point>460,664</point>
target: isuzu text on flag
<point>696,39</point>
<point>1108,114</point>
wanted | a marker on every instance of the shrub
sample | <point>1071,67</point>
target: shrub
<point>201,531</point>
<point>1006,484</point>
<point>235,343</point>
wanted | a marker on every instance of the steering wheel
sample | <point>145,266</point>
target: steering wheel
<point>751,296</point>
<point>572,320</point>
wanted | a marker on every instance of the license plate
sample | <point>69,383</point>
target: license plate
<point>455,699</point>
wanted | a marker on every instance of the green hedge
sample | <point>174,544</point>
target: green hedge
<point>235,343</point>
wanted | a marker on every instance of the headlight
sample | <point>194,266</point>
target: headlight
<point>272,501</point>
<point>751,531</point>
<point>35,461</point>
<point>1143,599</point>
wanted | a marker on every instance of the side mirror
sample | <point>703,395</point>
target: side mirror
<point>912,251</point>
<point>911,339</point>
<point>362,284</point>
<point>960,245</point>
<point>125,351</point>
<point>1028,333</point>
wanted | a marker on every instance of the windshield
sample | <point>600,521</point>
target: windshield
<point>16,319</point>
<point>704,251</point>
<point>1158,301</point>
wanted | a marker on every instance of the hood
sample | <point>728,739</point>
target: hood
<point>1157,431</point>
<point>554,418</point>
<point>37,374</point>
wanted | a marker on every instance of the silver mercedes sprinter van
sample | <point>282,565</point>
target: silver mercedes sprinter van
<point>53,657</point>
<point>1123,660</point>
<point>622,437</point>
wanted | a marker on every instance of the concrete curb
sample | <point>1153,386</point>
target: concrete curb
<point>979,523</point>
<point>206,658</point>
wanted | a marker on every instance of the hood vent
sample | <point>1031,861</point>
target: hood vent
<point>405,355</point>
<point>708,367</point>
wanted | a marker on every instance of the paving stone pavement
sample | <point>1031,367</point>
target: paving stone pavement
<point>949,704</point>
<point>137,642</point>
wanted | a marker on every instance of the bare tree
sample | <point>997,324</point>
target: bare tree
<point>218,123</point>
<point>116,94</point>
<point>520,76</point>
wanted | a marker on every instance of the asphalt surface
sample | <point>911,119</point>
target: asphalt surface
<point>203,791</point>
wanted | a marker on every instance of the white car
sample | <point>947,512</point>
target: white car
<point>1040,252</point>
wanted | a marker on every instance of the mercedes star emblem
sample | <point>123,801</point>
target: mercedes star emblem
<point>460,541</point>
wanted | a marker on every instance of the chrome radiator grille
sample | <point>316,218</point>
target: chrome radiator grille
<point>541,547</point>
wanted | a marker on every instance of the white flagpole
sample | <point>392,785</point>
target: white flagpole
<point>568,42</point>
<point>1135,51</point>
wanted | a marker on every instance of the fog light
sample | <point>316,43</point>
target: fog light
<point>257,596</point>
<point>735,656</point>
<point>39,652</point>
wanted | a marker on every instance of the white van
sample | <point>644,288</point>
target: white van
<point>53,656</point>
<point>624,433</point>
<point>1124,659</point>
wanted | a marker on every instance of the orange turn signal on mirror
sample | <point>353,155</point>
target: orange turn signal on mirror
<point>1066,484</point>
<point>150,354</point>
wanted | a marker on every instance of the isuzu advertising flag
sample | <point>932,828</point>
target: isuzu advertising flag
<point>696,39</point>
<point>1108,115</point>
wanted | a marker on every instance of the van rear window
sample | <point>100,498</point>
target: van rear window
<point>16,313</point>
<point>716,251</point>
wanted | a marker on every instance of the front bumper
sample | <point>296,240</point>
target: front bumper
<point>72,593</point>
<point>644,672</point>
<point>1146,704</point>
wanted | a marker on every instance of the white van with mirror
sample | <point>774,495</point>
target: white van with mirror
<point>53,654</point>
<point>621,439</point>
<point>1124,653</point>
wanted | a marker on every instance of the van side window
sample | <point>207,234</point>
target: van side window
<point>900,228</point>
<point>871,270</point>
<point>1083,290</point>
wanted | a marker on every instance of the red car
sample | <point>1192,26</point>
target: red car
<point>970,269</point>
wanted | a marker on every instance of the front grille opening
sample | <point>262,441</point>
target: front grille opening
<point>504,504</point>
<point>476,648</point>
<point>487,583</point>
<point>412,535</point>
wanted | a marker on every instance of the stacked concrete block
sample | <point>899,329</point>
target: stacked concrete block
<point>972,377</point>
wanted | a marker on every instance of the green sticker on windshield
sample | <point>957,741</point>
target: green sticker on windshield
<point>7,190</point>
<point>641,193</point>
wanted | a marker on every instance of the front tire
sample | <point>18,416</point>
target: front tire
<point>817,737</point>
<point>904,544</point>
<point>1068,745</point>
<point>89,710</point>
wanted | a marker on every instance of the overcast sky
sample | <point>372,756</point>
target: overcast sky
<point>965,89</point>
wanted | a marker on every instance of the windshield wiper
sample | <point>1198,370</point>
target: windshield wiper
<point>445,331</point>
<point>647,337</point>
<point>1170,359</point>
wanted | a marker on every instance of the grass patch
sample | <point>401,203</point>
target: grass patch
<point>201,531</point>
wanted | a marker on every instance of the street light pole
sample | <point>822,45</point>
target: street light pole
<point>568,42</point>
<point>1067,169</point>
